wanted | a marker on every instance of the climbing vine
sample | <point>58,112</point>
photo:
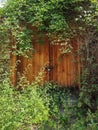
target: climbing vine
<point>64,19</point>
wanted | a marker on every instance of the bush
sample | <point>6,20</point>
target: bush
<point>44,107</point>
<point>61,106</point>
<point>64,112</point>
<point>20,110</point>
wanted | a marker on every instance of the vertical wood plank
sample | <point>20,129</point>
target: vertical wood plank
<point>13,62</point>
<point>13,69</point>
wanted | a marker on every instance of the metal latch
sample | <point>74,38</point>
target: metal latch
<point>48,68</point>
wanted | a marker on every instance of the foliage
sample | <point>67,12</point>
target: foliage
<point>89,74</point>
<point>46,106</point>
<point>88,93</point>
<point>20,110</point>
<point>4,61</point>
<point>49,106</point>
<point>60,18</point>
<point>64,110</point>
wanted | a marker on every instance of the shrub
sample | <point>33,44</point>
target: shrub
<point>60,105</point>
<point>20,110</point>
<point>44,107</point>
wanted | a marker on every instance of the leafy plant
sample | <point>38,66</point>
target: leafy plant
<point>46,106</point>
<point>26,19</point>
<point>20,110</point>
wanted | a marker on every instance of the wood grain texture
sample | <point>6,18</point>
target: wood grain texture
<point>13,62</point>
<point>64,69</point>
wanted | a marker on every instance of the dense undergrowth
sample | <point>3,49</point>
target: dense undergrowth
<point>43,107</point>
<point>49,106</point>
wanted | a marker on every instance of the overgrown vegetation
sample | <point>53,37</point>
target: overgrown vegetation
<point>19,110</point>
<point>49,106</point>
<point>55,18</point>
<point>89,75</point>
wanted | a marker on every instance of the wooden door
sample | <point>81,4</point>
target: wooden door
<point>65,68</point>
<point>48,60</point>
<point>33,68</point>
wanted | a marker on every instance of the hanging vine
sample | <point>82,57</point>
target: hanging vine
<point>61,18</point>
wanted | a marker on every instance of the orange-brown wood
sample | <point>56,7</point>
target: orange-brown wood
<point>13,70</point>
<point>63,69</point>
<point>31,67</point>
<point>66,67</point>
<point>13,62</point>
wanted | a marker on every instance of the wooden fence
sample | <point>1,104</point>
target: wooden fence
<point>60,67</point>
